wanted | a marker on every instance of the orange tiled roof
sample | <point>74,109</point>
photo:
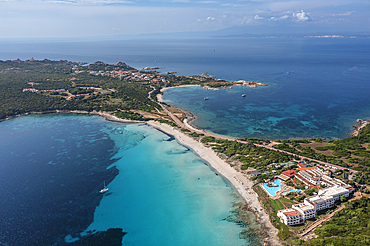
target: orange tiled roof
<point>291,213</point>
<point>289,173</point>
<point>306,168</point>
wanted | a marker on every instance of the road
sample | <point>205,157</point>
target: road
<point>187,126</point>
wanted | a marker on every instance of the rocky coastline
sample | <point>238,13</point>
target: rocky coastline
<point>360,124</point>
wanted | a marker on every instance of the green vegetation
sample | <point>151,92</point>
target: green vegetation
<point>129,115</point>
<point>195,135</point>
<point>311,191</point>
<point>276,204</point>
<point>208,139</point>
<point>272,206</point>
<point>350,226</point>
<point>344,152</point>
<point>116,94</point>
<point>362,177</point>
<point>167,122</point>
<point>249,155</point>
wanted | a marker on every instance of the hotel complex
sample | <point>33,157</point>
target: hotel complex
<point>324,199</point>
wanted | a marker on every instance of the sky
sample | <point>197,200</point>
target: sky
<point>88,18</point>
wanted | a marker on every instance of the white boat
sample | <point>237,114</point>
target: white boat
<point>206,98</point>
<point>243,95</point>
<point>105,189</point>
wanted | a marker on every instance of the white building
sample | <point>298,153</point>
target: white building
<point>314,176</point>
<point>323,200</point>
<point>291,216</point>
<point>307,210</point>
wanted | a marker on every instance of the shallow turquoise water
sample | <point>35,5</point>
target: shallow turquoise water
<point>160,192</point>
<point>166,195</point>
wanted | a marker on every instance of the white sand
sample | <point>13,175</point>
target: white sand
<point>241,184</point>
<point>159,96</point>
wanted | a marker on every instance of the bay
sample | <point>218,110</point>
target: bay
<point>317,87</point>
<point>160,192</point>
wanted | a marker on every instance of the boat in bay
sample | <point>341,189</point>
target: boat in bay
<point>105,189</point>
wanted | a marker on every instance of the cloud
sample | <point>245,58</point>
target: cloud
<point>210,18</point>
<point>280,18</point>
<point>258,17</point>
<point>88,2</point>
<point>233,5</point>
<point>206,2</point>
<point>301,16</point>
<point>344,14</point>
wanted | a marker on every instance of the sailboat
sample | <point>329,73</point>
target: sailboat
<point>105,189</point>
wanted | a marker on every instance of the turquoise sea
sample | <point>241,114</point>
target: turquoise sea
<point>160,192</point>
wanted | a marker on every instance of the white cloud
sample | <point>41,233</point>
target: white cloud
<point>233,5</point>
<point>210,18</point>
<point>284,17</point>
<point>179,1</point>
<point>280,18</point>
<point>301,16</point>
<point>206,2</point>
<point>88,2</point>
<point>258,17</point>
<point>344,14</point>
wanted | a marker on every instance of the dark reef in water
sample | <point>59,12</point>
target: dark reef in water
<point>111,237</point>
<point>252,231</point>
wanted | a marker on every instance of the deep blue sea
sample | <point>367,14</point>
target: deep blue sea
<point>317,87</point>
<point>160,193</point>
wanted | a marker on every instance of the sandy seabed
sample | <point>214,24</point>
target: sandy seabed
<point>240,183</point>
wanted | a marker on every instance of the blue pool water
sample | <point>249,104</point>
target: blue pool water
<point>160,192</point>
<point>273,190</point>
<point>292,190</point>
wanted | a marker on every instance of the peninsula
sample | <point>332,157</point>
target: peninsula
<point>299,170</point>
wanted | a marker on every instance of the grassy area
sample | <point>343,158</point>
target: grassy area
<point>286,200</point>
<point>272,206</point>
<point>276,204</point>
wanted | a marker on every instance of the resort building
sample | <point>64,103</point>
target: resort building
<point>286,175</point>
<point>283,177</point>
<point>324,199</point>
<point>255,174</point>
<point>291,216</point>
<point>285,164</point>
<point>289,173</point>
<point>307,210</point>
<point>314,176</point>
<point>301,165</point>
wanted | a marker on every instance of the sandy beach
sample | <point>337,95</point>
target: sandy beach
<point>159,96</point>
<point>240,183</point>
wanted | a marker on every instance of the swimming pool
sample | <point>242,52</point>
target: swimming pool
<point>292,190</point>
<point>273,190</point>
